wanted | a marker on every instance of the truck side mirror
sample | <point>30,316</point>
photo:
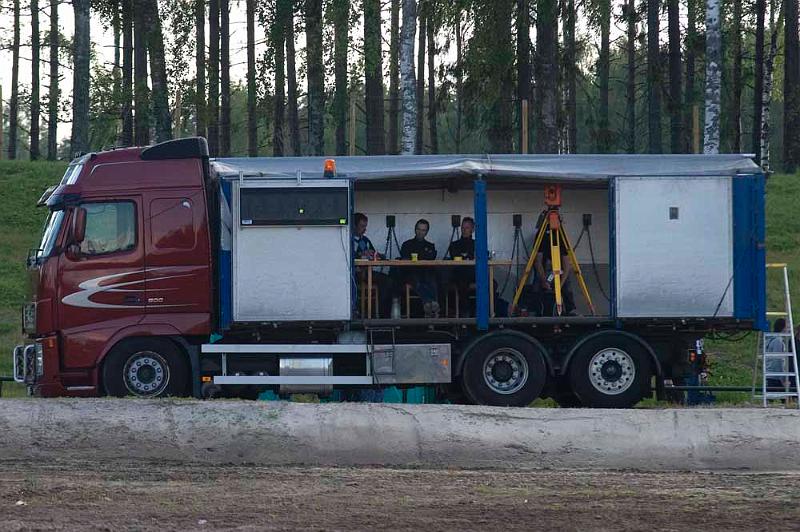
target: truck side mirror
<point>79,225</point>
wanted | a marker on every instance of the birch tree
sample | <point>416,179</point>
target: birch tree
<point>408,81</point>
<point>713,78</point>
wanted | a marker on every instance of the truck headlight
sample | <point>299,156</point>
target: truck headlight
<point>29,317</point>
<point>39,360</point>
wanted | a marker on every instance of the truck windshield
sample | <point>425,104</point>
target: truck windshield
<point>50,233</point>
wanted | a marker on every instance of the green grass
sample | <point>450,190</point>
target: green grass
<point>20,225</point>
<point>21,222</point>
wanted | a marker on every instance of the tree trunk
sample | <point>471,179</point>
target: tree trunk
<point>791,89</point>
<point>692,43</point>
<point>736,97</point>
<point>141,118</point>
<point>54,93</point>
<point>394,78</point>
<point>459,72</point>
<point>523,65</point>
<point>713,77</point>
<point>252,124</point>
<point>35,47</point>
<point>434,136</point>
<point>630,84</point>
<point>547,76</point>
<point>316,78</point>
<point>213,78</point>
<point>341,31</point>
<point>278,38</point>
<point>116,24</point>
<point>407,76</point>
<point>654,77</point>
<point>200,67</point>
<point>225,79</point>
<point>603,69</point>
<point>373,78</point>
<point>769,65</point>
<point>676,135</point>
<point>158,72</point>
<point>758,78</point>
<point>79,141</point>
<point>291,74</point>
<point>570,78</point>
<point>423,32</point>
<point>13,104</point>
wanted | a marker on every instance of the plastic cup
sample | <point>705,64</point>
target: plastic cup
<point>414,257</point>
<point>458,258</point>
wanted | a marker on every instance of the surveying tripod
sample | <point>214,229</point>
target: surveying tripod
<point>551,218</point>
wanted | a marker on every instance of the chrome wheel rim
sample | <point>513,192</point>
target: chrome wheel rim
<point>612,371</point>
<point>505,371</point>
<point>146,374</point>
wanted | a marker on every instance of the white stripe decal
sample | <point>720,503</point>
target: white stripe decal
<point>90,287</point>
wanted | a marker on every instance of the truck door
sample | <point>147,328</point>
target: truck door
<point>177,261</point>
<point>101,288</point>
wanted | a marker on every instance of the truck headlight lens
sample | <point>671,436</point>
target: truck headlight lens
<point>39,360</point>
<point>29,318</point>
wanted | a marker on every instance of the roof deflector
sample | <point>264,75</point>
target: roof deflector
<point>188,148</point>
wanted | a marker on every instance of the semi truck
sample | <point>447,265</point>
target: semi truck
<point>161,271</point>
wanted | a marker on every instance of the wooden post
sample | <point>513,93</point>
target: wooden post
<point>1,121</point>
<point>524,147</point>
<point>695,129</point>
<point>352,149</point>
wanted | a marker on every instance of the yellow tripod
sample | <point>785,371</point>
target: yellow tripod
<point>558,237</point>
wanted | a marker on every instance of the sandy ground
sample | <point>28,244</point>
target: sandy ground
<point>163,496</point>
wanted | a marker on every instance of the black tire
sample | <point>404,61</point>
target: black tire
<point>146,367</point>
<point>504,370</point>
<point>619,376</point>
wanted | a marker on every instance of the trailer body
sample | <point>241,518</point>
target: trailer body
<point>237,275</point>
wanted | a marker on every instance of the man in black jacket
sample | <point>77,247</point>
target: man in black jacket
<point>464,276</point>
<point>422,280</point>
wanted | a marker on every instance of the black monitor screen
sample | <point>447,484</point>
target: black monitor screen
<point>296,206</point>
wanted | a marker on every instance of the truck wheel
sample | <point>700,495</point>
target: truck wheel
<point>504,370</point>
<point>610,371</point>
<point>146,367</point>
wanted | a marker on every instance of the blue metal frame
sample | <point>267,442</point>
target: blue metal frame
<point>481,256</point>
<point>612,247</point>
<point>225,270</point>
<point>749,253</point>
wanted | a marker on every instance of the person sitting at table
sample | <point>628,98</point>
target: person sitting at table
<point>422,280</point>
<point>363,249</point>
<point>463,277</point>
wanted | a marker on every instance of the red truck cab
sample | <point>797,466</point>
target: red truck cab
<point>122,272</point>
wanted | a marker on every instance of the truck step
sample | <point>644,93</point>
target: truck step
<point>286,349</point>
<point>265,379</point>
<point>779,374</point>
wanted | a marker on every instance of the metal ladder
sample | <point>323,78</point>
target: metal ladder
<point>788,354</point>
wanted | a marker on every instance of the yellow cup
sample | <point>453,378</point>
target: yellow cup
<point>458,258</point>
<point>414,257</point>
